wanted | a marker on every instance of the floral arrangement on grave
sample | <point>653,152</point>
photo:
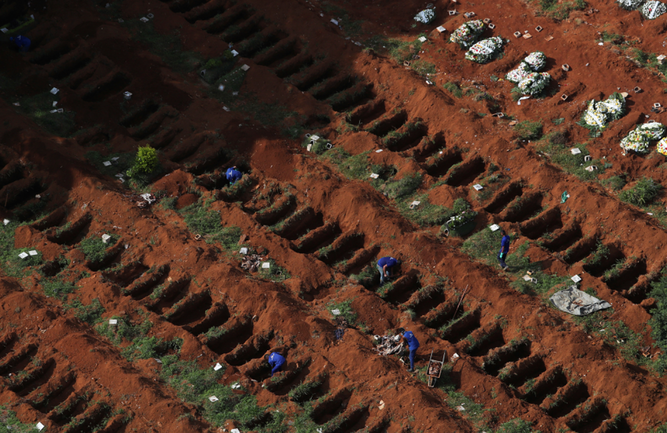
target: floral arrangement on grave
<point>662,146</point>
<point>639,139</point>
<point>630,5</point>
<point>486,50</point>
<point>425,16</point>
<point>468,33</point>
<point>598,114</point>
<point>653,9</point>
<point>527,76</point>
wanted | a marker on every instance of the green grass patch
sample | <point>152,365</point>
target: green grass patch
<point>453,88</point>
<point>94,248</point>
<point>642,193</point>
<point>573,164</point>
<point>345,309</point>
<point>167,47</point>
<point>275,273</point>
<point>527,130</point>
<point>557,10</point>
<point>91,313</point>
<point>9,423</point>
<point>426,214</point>
<point>401,50</point>
<point>39,108</point>
<point>206,222</point>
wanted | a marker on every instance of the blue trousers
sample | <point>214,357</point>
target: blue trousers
<point>501,259</point>
<point>276,369</point>
<point>412,358</point>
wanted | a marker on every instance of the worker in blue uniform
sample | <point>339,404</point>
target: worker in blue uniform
<point>233,175</point>
<point>386,267</point>
<point>276,361</point>
<point>21,42</point>
<point>504,249</point>
<point>413,345</point>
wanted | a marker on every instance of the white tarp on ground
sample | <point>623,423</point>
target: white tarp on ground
<point>574,301</point>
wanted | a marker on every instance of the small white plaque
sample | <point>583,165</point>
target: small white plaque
<point>40,426</point>
<point>335,22</point>
<point>478,187</point>
<point>243,250</point>
<point>235,53</point>
<point>143,19</point>
<point>266,265</point>
<point>455,356</point>
<point>245,68</point>
<point>494,227</point>
<point>113,321</point>
<point>314,137</point>
<point>378,151</point>
<point>235,430</point>
<point>374,176</point>
<point>213,398</point>
<point>4,30</point>
<point>415,203</point>
<point>33,252</point>
<point>575,151</point>
<point>55,103</point>
<point>236,385</point>
<point>335,312</point>
<point>106,163</point>
<point>55,90</point>
<point>105,238</point>
<point>23,255</point>
<point>441,29</point>
<point>422,39</point>
<point>576,278</point>
<point>217,367</point>
<point>5,221</point>
<point>225,108</point>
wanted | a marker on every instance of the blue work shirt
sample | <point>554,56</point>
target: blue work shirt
<point>21,42</point>
<point>505,244</point>
<point>233,175</point>
<point>389,261</point>
<point>413,344</point>
<point>276,360</point>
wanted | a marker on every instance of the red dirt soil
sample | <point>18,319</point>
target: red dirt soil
<point>537,363</point>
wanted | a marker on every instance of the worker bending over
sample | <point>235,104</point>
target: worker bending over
<point>276,361</point>
<point>413,345</point>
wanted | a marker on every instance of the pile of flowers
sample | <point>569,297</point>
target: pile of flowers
<point>527,76</point>
<point>653,9</point>
<point>486,50</point>
<point>468,33</point>
<point>638,140</point>
<point>425,16</point>
<point>599,114</point>
<point>662,146</point>
<point>630,4</point>
<point>534,83</point>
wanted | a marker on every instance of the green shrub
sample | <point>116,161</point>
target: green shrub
<point>528,130</point>
<point>515,425</point>
<point>145,162</point>
<point>453,88</point>
<point>91,314</point>
<point>151,347</point>
<point>615,182</point>
<point>642,193</point>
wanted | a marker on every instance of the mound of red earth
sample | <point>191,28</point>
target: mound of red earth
<point>131,74</point>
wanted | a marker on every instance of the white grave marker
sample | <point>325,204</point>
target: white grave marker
<point>374,176</point>
<point>23,255</point>
<point>55,90</point>
<point>266,265</point>
<point>213,398</point>
<point>575,151</point>
<point>235,53</point>
<point>335,312</point>
<point>40,426</point>
<point>478,187</point>
<point>5,221</point>
<point>378,151</point>
<point>494,227</point>
<point>217,367</point>
<point>105,238</point>
<point>576,278</point>
<point>245,68</point>
<point>33,252</point>
<point>243,250</point>
<point>441,29</point>
<point>106,163</point>
<point>113,321</point>
<point>422,39</point>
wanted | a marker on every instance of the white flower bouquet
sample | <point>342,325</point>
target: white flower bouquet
<point>651,130</point>
<point>598,114</point>
<point>653,9</point>
<point>662,146</point>
<point>519,73</point>
<point>534,83</point>
<point>630,4</point>
<point>635,141</point>
<point>425,16</point>
<point>468,33</point>
<point>536,60</point>
<point>486,50</point>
